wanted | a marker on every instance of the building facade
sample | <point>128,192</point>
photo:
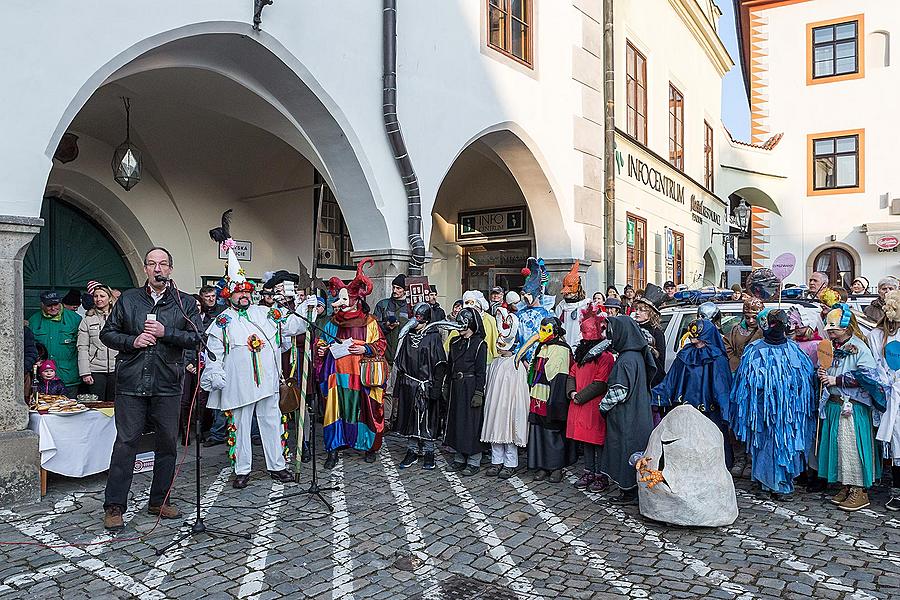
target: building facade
<point>828,109</point>
<point>669,204</point>
<point>502,110</point>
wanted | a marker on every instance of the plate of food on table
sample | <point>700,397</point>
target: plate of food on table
<point>58,405</point>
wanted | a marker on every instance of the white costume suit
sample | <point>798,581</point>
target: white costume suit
<point>889,429</point>
<point>569,314</point>
<point>231,383</point>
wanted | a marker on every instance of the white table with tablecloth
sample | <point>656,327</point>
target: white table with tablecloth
<point>75,445</point>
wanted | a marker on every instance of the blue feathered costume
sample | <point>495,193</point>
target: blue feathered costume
<point>771,401</point>
<point>700,377</point>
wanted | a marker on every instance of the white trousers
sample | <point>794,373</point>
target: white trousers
<point>505,454</point>
<point>268,416</point>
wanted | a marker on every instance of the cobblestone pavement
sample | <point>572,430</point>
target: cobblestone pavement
<point>435,535</point>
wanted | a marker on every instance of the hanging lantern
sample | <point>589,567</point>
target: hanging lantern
<point>126,160</point>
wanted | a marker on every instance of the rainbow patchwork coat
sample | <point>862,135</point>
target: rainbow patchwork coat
<point>354,414</point>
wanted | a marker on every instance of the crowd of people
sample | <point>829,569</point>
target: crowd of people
<point>506,383</point>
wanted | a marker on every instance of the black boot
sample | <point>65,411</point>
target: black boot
<point>370,456</point>
<point>331,460</point>
<point>305,455</point>
<point>409,460</point>
<point>625,497</point>
<point>428,463</point>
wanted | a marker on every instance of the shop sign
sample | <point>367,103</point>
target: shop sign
<point>417,289</point>
<point>630,232</point>
<point>668,187</point>
<point>498,222</point>
<point>887,243</point>
<point>242,249</point>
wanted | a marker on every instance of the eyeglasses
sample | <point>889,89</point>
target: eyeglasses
<point>153,265</point>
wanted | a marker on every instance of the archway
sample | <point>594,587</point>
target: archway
<point>495,207</point>
<point>224,122</point>
<point>252,83</point>
<point>71,250</point>
<point>711,272</point>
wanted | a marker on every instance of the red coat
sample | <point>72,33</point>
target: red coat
<point>585,423</point>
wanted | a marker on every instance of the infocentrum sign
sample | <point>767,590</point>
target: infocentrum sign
<point>651,177</point>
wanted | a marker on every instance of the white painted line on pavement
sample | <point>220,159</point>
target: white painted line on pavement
<point>426,573</point>
<point>342,572</point>
<point>692,562</point>
<point>165,562</point>
<point>830,532</point>
<point>252,582</point>
<point>882,518</point>
<point>579,547</point>
<point>81,559</point>
<point>19,580</point>
<point>791,561</point>
<point>517,580</point>
<point>99,543</point>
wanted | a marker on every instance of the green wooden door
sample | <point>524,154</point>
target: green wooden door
<point>70,250</point>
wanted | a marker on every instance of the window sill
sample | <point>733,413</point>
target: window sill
<point>834,191</point>
<point>834,78</point>
<point>511,56</point>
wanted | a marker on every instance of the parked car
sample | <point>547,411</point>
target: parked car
<point>676,319</point>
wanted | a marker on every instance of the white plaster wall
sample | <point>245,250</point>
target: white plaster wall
<point>808,222</point>
<point>451,87</point>
<point>673,55</point>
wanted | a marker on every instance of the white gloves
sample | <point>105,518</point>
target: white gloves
<point>210,381</point>
<point>311,302</point>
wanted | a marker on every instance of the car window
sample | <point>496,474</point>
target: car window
<point>730,321</point>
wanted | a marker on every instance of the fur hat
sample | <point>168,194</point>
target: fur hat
<point>892,306</point>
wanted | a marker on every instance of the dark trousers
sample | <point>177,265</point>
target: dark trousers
<point>132,413</point>
<point>104,386</point>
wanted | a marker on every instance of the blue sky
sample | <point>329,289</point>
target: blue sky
<point>735,111</point>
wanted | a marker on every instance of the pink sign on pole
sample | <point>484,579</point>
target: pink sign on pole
<point>784,265</point>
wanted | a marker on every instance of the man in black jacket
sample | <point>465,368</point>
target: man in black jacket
<point>152,327</point>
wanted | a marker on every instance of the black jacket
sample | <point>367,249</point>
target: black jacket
<point>31,352</point>
<point>159,369</point>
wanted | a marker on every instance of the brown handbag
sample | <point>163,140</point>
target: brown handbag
<point>289,395</point>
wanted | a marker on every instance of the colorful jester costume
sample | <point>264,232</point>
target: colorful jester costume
<point>770,404</point>
<point>354,409</point>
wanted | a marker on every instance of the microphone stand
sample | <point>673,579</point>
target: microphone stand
<point>314,488</point>
<point>198,526</point>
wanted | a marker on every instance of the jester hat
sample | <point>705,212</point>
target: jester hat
<point>355,291</point>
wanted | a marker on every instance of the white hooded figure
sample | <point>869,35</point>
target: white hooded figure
<point>682,477</point>
<point>506,399</point>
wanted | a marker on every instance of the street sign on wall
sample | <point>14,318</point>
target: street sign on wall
<point>242,249</point>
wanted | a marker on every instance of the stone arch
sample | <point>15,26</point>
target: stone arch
<point>107,210</point>
<point>517,152</point>
<point>310,120</point>
<point>757,197</point>
<point>811,256</point>
<point>711,269</point>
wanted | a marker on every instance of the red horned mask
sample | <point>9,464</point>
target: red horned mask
<point>348,296</point>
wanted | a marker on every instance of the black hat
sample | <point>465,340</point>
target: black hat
<point>72,298</point>
<point>280,277</point>
<point>653,297</point>
<point>432,289</point>
<point>422,312</point>
<point>612,303</point>
<point>49,298</point>
<point>399,280</point>
<point>669,284</point>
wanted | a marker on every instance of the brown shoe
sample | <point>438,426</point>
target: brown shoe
<point>857,499</point>
<point>841,496</point>
<point>166,511</point>
<point>112,518</point>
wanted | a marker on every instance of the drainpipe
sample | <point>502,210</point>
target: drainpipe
<point>609,145</point>
<point>395,137</point>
